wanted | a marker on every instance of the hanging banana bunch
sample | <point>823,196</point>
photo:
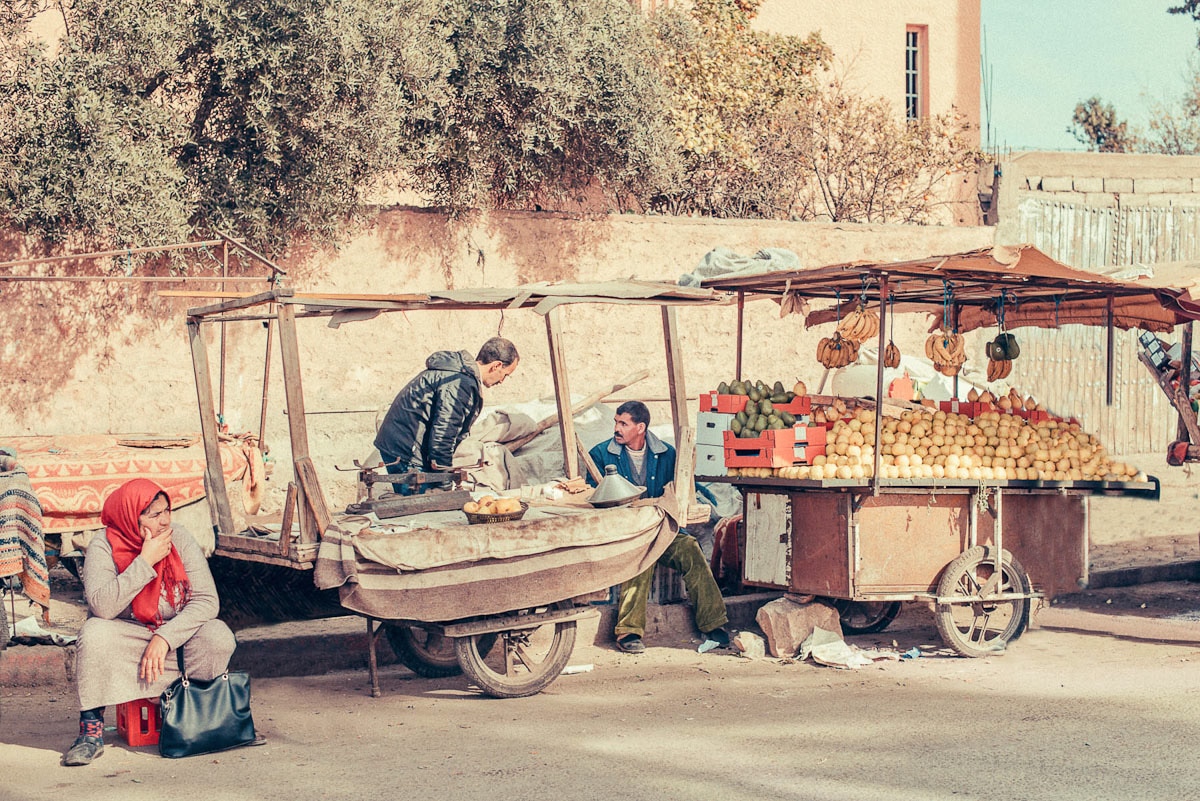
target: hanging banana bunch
<point>998,369</point>
<point>859,325</point>
<point>891,355</point>
<point>836,351</point>
<point>947,351</point>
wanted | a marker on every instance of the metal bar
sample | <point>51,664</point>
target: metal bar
<point>103,254</point>
<point>884,290</point>
<point>372,663</point>
<point>741,319</point>
<point>1185,375</point>
<point>498,623</point>
<point>562,393</point>
<point>126,279</point>
<point>293,390</point>
<point>216,492</point>
<point>262,414</point>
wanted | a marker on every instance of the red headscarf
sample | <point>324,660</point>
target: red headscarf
<point>120,516</point>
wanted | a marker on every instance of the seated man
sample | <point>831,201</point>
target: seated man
<point>648,462</point>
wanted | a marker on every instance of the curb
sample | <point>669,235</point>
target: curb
<point>1132,576</point>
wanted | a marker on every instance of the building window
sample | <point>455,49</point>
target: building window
<point>915,72</point>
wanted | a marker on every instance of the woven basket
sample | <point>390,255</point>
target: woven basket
<point>475,517</point>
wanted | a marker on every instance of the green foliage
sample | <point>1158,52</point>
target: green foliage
<point>727,83</point>
<point>1095,124</point>
<point>549,100</point>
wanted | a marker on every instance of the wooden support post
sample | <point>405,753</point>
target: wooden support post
<point>685,440</point>
<point>293,390</point>
<point>214,477</point>
<point>1185,377</point>
<point>289,517</point>
<point>588,465</point>
<point>562,393</point>
<point>1111,356</point>
<point>224,274</point>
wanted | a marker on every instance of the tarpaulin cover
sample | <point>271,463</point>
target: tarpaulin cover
<point>451,571</point>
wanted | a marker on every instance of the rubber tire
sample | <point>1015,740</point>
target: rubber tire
<point>965,568</point>
<point>876,615</point>
<point>517,683</point>
<point>409,648</point>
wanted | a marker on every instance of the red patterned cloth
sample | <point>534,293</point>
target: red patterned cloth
<point>22,548</point>
<point>72,475</point>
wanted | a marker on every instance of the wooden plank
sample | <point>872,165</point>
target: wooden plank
<point>401,505</point>
<point>245,556</point>
<point>1185,374</point>
<point>588,464</point>
<point>306,474</point>
<point>216,493</point>
<point>562,393</point>
<point>685,436</point>
<point>289,517</point>
<point>293,391</point>
<point>243,302</point>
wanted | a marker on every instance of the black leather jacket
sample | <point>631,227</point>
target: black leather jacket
<point>433,413</point>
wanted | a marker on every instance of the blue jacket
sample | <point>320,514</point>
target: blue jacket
<point>660,463</point>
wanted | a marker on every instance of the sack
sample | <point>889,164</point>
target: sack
<point>199,717</point>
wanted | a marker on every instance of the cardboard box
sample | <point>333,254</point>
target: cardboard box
<point>710,460</point>
<point>710,428</point>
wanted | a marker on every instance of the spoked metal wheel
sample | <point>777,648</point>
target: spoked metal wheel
<point>426,652</point>
<point>526,662</point>
<point>866,617</point>
<point>994,609</point>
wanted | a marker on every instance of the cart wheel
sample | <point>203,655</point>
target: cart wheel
<point>74,566</point>
<point>526,663</point>
<point>866,617</point>
<point>982,627</point>
<point>425,651</point>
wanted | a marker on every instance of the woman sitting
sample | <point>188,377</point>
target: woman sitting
<point>149,591</point>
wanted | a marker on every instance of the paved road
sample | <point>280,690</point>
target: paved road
<point>1060,716</point>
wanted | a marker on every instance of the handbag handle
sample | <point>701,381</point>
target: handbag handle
<point>179,659</point>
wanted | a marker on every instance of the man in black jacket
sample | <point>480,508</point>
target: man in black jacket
<point>435,410</point>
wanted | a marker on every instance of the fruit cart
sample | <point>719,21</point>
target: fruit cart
<point>979,519</point>
<point>498,600</point>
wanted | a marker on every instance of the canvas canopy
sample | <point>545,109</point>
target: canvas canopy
<point>974,289</point>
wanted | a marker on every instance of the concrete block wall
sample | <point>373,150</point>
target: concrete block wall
<point>1104,180</point>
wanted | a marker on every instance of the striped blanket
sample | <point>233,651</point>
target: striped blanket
<point>22,550</point>
<point>446,572</point>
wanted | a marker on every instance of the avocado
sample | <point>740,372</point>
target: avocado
<point>722,388</point>
<point>740,418</point>
<point>737,388</point>
<point>788,418</point>
<point>776,423</point>
<point>780,397</point>
<point>766,407</point>
<point>754,395</point>
<point>778,389</point>
<point>760,423</point>
<point>735,426</point>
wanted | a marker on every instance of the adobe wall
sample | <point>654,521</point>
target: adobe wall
<point>114,358</point>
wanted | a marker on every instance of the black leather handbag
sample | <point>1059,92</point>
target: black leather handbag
<point>199,717</point>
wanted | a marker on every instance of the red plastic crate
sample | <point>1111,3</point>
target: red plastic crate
<point>759,457</point>
<point>139,722</point>
<point>732,404</point>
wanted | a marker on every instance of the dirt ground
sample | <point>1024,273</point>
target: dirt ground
<point>1059,716</point>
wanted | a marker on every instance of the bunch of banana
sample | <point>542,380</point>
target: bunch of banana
<point>891,355</point>
<point>998,368</point>
<point>859,325</point>
<point>947,351</point>
<point>836,351</point>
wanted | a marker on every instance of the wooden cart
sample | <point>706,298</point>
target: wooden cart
<point>511,652</point>
<point>963,546</point>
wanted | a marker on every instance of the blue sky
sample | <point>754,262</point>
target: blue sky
<point>1047,55</point>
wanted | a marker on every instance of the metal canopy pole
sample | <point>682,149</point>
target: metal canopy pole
<point>1108,389</point>
<point>884,290</point>
<point>262,415</point>
<point>741,318</point>
<point>562,393</point>
<point>224,275</point>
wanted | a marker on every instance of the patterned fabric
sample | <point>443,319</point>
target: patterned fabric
<point>22,549</point>
<point>72,475</point>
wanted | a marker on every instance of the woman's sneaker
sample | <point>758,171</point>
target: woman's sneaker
<point>83,751</point>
